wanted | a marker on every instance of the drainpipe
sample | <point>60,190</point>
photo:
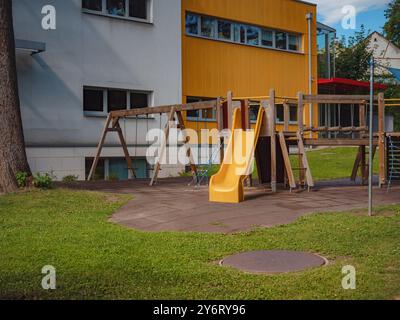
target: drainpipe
<point>309,17</point>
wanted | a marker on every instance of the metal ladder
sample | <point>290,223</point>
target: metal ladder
<point>393,160</point>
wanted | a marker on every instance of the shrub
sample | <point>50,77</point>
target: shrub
<point>22,178</point>
<point>43,181</point>
<point>70,178</point>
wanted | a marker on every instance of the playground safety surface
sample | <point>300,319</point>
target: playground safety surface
<point>273,261</point>
<point>172,205</point>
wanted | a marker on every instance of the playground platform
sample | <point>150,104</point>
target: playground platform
<point>172,205</point>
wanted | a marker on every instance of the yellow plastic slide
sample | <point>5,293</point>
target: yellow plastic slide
<point>227,185</point>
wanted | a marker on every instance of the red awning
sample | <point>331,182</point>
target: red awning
<point>346,85</point>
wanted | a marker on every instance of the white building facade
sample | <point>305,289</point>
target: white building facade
<point>103,55</point>
<point>385,52</point>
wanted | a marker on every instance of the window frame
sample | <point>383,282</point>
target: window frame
<point>105,90</point>
<point>237,25</point>
<point>104,12</point>
<point>200,117</point>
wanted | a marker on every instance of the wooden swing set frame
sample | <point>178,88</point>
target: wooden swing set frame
<point>283,138</point>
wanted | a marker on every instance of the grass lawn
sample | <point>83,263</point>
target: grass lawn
<point>96,259</point>
<point>334,163</point>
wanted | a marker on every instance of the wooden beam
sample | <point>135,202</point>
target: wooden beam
<point>163,147</point>
<point>338,142</point>
<point>203,105</point>
<point>272,133</point>
<point>99,148</point>
<point>338,99</point>
<point>286,158</point>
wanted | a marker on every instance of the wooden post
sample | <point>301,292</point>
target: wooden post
<point>272,133</point>
<point>245,106</point>
<point>362,115</point>
<point>356,165</point>
<point>286,116</point>
<point>304,161</point>
<point>300,111</point>
<point>124,147</point>
<point>364,178</point>
<point>220,127</point>
<point>264,132</point>
<point>163,147</point>
<point>99,148</point>
<point>286,158</point>
<point>229,101</point>
<point>382,139</point>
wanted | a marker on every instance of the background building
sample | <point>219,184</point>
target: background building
<point>103,55</point>
<point>248,47</point>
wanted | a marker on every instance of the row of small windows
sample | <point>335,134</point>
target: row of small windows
<point>138,9</point>
<point>103,101</point>
<point>210,115</point>
<point>217,29</point>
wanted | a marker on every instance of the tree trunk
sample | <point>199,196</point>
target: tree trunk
<point>12,146</point>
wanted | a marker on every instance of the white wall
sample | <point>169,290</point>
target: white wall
<point>91,50</point>
<point>384,51</point>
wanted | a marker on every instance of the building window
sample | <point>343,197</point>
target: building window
<point>253,36</point>
<point>239,34</point>
<point>253,113</point>
<point>207,27</point>
<point>139,100</point>
<point>116,7</point>
<point>95,5</point>
<point>280,113</point>
<point>293,113</point>
<point>100,101</point>
<point>192,24</point>
<point>138,9</point>
<point>281,40</point>
<point>223,30</point>
<point>294,42</point>
<point>93,100</point>
<point>128,9</point>
<point>267,38</point>
<point>100,169</point>
<point>200,115</point>
<point>116,100</point>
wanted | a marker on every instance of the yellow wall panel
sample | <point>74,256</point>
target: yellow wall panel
<point>211,68</point>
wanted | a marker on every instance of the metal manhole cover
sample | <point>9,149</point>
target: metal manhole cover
<point>273,261</point>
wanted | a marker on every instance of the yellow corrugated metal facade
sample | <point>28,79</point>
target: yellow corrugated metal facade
<point>211,68</point>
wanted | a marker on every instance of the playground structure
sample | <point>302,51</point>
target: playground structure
<point>271,146</point>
